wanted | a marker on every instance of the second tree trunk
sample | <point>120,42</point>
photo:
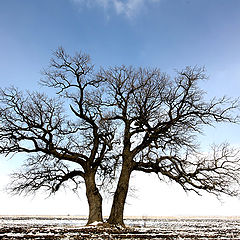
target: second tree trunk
<point>116,215</point>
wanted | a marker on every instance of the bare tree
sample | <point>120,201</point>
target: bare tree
<point>61,145</point>
<point>139,118</point>
<point>160,118</point>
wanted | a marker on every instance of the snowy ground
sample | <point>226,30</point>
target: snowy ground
<point>68,227</point>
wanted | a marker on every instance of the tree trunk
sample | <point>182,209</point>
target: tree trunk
<point>94,199</point>
<point>116,215</point>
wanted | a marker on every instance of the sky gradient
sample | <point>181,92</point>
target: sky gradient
<point>169,34</point>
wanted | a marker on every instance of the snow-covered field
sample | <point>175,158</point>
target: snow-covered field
<point>73,227</point>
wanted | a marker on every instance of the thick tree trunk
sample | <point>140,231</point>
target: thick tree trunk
<point>116,215</point>
<point>94,199</point>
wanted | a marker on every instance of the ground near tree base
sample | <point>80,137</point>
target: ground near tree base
<point>72,228</point>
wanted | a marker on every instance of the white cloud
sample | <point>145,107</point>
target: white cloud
<point>127,8</point>
<point>119,6</point>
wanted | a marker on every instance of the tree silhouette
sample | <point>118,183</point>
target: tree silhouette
<point>113,122</point>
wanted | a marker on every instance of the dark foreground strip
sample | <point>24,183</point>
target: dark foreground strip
<point>68,233</point>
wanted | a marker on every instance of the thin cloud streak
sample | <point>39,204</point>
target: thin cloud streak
<point>128,8</point>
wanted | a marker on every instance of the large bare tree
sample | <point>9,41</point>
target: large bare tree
<point>61,144</point>
<point>160,118</point>
<point>137,117</point>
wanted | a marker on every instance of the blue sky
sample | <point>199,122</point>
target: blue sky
<point>169,34</point>
<point>164,33</point>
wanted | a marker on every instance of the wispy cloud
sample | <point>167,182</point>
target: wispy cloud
<point>127,8</point>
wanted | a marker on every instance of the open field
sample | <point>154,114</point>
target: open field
<point>73,227</point>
